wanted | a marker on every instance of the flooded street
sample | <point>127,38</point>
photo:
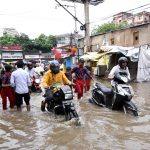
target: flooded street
<point>100,129</point>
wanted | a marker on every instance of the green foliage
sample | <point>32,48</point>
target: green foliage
<point>8,40</point>
<point>107,27</point>
<point>43,43</point>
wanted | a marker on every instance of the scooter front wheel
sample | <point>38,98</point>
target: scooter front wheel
<point>130,110</point>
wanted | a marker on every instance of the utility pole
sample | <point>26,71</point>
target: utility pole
<point>86,27</point>
<point>87,41</point>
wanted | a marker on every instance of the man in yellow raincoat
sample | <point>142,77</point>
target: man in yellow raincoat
<point>53,78</point>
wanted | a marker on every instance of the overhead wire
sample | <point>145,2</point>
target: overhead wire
<point>108,17</point>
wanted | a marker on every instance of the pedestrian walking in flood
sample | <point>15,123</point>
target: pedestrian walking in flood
<point>7,91</point>
<point>21,83</point>
<point>87,78</point>
<point>68,73</point>
<point>80,71</point>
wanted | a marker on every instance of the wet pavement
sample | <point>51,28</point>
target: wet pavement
<point>100,129</point>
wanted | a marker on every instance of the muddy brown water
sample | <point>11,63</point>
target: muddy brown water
<point>101,128</point>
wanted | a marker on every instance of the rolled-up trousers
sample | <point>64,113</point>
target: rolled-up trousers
<point>7,92</point>
<point>79,86</point>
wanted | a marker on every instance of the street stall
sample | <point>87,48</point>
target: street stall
<point>98,61</point>
<point>139,60</point>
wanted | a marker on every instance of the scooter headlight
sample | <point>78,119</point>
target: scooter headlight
<point>37,81</point>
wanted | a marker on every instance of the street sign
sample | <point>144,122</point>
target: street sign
<point>91,2</point>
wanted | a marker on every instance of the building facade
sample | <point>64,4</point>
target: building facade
<point>131,36</point>
<point>121,17</point>
<point>9,31</point>
<point>132,19</point>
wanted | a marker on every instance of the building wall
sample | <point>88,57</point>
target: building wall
<point>142,17</point>
<point>133,36</point>
<point>121,17</point>
<point>139,18</point>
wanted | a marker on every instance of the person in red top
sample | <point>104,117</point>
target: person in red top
<point>80,71</point>
<point>88,79</point>
<point>7,90</point>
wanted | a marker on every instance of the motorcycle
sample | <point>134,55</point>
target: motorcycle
<point>62,102</point>
<point>119,97</point>
<point>35,87</point>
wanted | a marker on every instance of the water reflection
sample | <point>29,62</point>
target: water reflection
<point>101,128</point>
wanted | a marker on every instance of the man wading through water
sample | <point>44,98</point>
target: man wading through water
<point>80,71</point>
<point>21,83</point>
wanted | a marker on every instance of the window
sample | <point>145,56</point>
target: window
<point>139,17</point>
<point>112,41</point>
<point>136,38</point>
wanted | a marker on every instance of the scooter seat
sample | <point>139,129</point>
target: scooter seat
<point>104,89</point>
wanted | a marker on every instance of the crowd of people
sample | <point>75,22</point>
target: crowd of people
<point>16,82</point>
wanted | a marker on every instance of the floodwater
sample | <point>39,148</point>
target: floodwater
<point>101,128</point>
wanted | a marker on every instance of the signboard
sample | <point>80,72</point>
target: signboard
<point>47,55</point>
<point>92,2</point>
<point>12,55</point>
<point>39,56</point>
<point>11,48</point>
<point>31,56</point>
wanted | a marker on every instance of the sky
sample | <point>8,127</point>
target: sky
<point>34,17</point>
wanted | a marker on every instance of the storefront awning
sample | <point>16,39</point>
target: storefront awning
<point>92,56</point>
<point>131,52</point>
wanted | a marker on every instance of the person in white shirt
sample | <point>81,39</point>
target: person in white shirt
<point>21,83</point>
<point>121,67</point>
<point>30,69</point>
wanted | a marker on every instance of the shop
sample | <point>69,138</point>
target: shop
<point>11,53</point>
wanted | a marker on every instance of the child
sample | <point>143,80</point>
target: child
<point>68,73</point>
<point>7,90</point>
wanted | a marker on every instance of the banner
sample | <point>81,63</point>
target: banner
<point>12,48</point>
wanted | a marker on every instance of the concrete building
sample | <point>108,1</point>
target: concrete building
<point>67,39</point>
<point>8,31</point>
<point>132,19</point>
<point>131,36</point>
<point>142,17</point>
<point>121,17</point>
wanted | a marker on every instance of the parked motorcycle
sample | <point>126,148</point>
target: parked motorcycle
<point>62,102</point>
<point>119,97</point>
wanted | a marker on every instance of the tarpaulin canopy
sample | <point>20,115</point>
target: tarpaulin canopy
<point>139,55</point>
<point>143,73</point>
<point>131,52</point>
<point>92,56</point>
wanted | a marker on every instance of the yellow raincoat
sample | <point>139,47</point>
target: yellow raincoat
<point>51,79</point>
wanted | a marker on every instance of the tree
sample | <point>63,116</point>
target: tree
<point>107,27</point>
<point>43,43</point>
<point>8,40</point>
